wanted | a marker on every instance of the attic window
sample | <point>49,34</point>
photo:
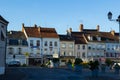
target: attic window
<point>98,38</point>
<point>90,38</point>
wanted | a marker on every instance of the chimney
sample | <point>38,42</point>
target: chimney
<point>98,28</point>
<point>67,32</point>
<point>70,30</point>
<point>35,26</point>
<point>22,24</point>
<point>112,32</point>
<point>39,28</point>
<point>81,27</point>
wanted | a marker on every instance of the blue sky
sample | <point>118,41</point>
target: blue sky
<point>60,14</point>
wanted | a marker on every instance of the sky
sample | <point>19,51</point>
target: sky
<point>61,14</point>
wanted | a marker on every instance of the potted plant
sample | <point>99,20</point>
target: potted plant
<point>78,64</point>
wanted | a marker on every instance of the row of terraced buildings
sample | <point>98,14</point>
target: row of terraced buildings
<point>36,45</point>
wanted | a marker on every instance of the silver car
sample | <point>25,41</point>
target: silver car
<point>14,64</point>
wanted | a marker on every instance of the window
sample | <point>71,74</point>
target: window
<point>63,53</point>
<point>45,49</point>
<point>70,53</point>
<point>89,47</point>
<point>70,45</point>
<point>55,44</point>
<point>38,43</point>
<point>24,43</point>
<point>63,45</point>
<point>2,26</point>
<point>19,50</point>
<point>11,50</point>
<point>83,47</point>
<point>45,44</point>
<point>89,54</point>
<point>2,36</point>
<point>83,54</point>
<point>31,42</point>
<point>78,47</point>
<point>13,42</point>
<point>78,54</point>
<point>50,43</point>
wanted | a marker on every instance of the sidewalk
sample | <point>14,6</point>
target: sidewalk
<point>109,75</point>
<point>12,75</point>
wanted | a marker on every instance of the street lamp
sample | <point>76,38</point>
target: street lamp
<point>117,20</point>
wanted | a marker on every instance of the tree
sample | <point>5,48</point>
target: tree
<point>78,61</point>
<point>108,62</point>
<point>69,62</point>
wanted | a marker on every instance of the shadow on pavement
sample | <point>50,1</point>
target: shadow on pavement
<point>12,75</point>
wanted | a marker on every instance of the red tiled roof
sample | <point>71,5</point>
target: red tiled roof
<point>48,33</point>
<point>41,32</point>
<point>32,31</point>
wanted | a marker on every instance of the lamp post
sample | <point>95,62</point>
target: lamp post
<point>117,20</point>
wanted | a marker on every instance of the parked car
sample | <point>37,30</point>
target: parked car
<point>14,64</point>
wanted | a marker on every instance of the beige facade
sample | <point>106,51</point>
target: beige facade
<point>66,52</point>
<point>81,52</point>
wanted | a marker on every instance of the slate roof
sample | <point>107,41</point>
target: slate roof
<point>16,35</point>
<point>1,18</point>
<point>78,37</point>
<point>105,36</point>
<point>65,38</point>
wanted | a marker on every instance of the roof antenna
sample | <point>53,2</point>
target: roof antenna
<point>110,28</point>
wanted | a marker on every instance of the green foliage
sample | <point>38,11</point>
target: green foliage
<point>24,65</point>
<point>78,61</point>
<point>93,65</point>
<point>69,62</point>
<point>108,62</point>
<point>55,60</point>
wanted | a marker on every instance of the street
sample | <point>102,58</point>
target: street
<point>37,73</point>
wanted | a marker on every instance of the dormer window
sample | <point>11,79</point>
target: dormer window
<point>90,38</point>
<point>98,38</point>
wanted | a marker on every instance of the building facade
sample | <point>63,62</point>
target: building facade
<point>66,49</point>
<point>3,31</point>
<point>43,43</point>
<point>17,47</point>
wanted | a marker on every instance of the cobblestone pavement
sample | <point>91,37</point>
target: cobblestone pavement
<point>55,74</point>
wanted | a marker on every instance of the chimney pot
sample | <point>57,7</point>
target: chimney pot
<point>112,32</point>
<point>81,27</point>
<point>70,30</point>
<point>98,27</point>
<point>22,24</point>
<point>35,25</point>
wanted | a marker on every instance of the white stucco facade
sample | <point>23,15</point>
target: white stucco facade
<point>81,51</point>
<point>14,50</point>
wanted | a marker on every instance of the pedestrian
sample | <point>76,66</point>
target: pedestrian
<point>117,68</point>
